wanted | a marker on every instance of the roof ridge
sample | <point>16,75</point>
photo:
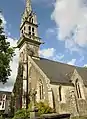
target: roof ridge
<point>60,62</point>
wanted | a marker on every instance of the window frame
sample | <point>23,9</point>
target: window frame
<point>60,94</point>
<point>41,94</point>
<point>78,89</point>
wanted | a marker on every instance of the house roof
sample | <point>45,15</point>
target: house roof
<point>58,72</point>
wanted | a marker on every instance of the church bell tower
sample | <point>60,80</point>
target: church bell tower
<point>28,45</point>
<point>29,40</point>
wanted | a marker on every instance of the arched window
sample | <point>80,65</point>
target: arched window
<point>78,89</point>
<point>32,29</point>
<point>60,96</point>
<point>40,89</point>
<point>29,33</point>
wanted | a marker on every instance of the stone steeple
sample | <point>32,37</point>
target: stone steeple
<point>28,44</point>
<point>29,40</point>
<point>28,6</point>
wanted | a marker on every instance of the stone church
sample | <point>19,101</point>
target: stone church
<point>62,86</point>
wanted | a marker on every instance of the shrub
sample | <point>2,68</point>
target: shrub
<point>1,117</point>
<point>21,114</point>
<point>44,108</point>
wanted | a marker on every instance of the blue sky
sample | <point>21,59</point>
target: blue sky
<point>62,26</point>
<point>12,11</point>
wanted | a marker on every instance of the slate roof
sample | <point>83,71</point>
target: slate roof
<point>57,72</point>
<point>60,73</point>
<point>83,73</point>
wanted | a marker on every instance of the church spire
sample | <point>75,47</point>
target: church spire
<point>29,39</point>
<point>28,6</point>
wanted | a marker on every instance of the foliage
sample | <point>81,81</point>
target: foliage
<point>1,117</point>
<point>12,108</point>
<point>1,112</point>
<point>6,54</point>
<point>44,108</point>
<point>85,66</point>
<point>21,114</point>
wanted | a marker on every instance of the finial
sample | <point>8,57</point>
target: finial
<point>28,6</point>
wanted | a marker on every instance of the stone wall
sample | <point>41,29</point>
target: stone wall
<point>70,103</point>
<point>33,80</point>
<point>67,104</point>
<point>81,102</point>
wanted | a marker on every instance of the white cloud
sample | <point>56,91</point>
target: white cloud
<point>85,65</point>
<point>50,53</point>
<point>71,20</point>
<point>47,53</point>
<point>58,57</point>
<point>72,62</point>
<point>13,42</point>
<point>4,23</point>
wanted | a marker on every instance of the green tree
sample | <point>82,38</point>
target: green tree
<point>6,54</point>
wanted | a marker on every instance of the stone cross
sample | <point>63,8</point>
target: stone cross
<point>32,95</point>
